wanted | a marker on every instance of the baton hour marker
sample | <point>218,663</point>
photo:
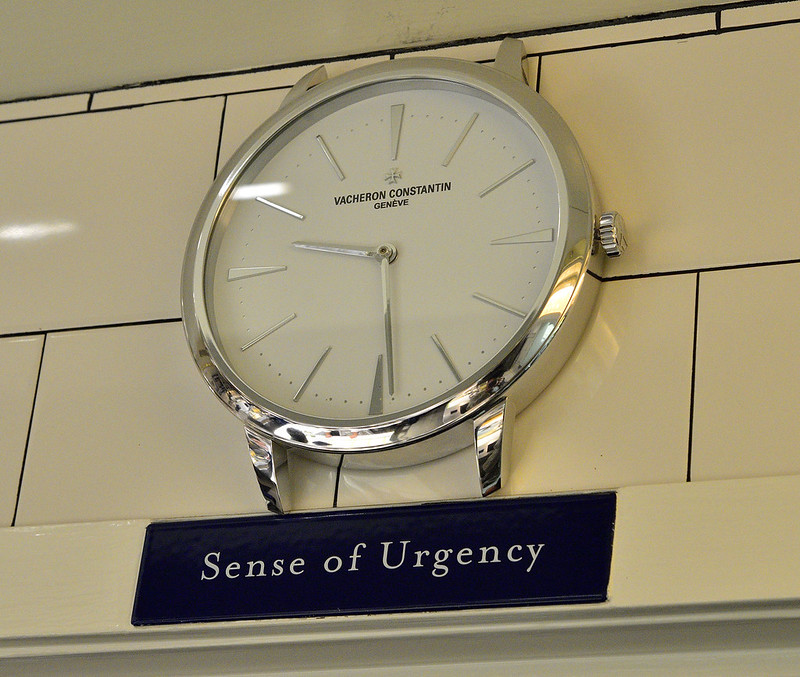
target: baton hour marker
<point>497,304</point>
<point>311,374</point>
<point>460,139</point>
<point>397,126</point>
<point>507,177</point>
<point>329,156</point>
<point>269,331</point>
<point>280,208</point>
<point>242,273</point>
<point>446,356</point>
<point>376,400</point>
<point>533,237</point>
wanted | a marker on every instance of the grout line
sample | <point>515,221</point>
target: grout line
<point>597,277</point>
<point>110,325</point>
<point>186,99</point>
<point>766,24</point>
<point>692,383</point>
<point>710,269</point>
<point>219,140</point>
<point>677,37</point>
<point>28,436</point>
<point>336,486</point>
<point>538,73</point>
<point>33,118</point>
<point>718,21</point>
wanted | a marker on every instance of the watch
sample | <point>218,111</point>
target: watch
<point>391,266</point>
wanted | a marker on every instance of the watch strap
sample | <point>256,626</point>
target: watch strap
<point>454,476</point>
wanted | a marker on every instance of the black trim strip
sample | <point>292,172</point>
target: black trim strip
<point>391,53</point>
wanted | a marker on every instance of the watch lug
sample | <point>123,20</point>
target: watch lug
<point>309,80</point>
<point>492,434</point>
<point>267,457</point>
<point>510,57</point>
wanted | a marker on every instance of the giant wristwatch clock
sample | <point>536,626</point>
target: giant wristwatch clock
<point>392,264</point>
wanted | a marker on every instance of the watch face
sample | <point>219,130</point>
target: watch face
<point>380,251</point>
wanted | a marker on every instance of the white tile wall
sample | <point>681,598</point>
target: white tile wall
<point>694,140</point>
<point>124,427</point>
<point>618,413</point>
<point>691,134</point>
<point>96,210</point>
<point>747,404</point>
<point>243,114</point>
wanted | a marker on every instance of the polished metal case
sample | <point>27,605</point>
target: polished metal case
<point>528,364</point>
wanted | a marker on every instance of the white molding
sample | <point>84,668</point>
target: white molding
<point>67,593</point>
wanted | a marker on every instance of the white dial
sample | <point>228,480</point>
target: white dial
<point>381,250</point>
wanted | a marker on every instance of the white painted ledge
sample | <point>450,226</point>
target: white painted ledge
<point>698,569</point>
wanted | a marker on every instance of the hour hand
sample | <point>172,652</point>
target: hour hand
<point>347,250</point>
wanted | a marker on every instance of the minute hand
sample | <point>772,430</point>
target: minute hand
<point>387,322</point>
<point>347,250</point>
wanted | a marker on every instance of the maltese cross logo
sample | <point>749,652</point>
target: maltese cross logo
<point>393,175</point>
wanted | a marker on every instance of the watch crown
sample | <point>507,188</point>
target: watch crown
<point>611,234</point>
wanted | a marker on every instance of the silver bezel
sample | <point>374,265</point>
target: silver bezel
<point>545,326</point>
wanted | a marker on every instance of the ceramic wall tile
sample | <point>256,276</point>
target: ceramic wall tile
<point>19,367</point>
<point>243,114</point>
<point>691,141</point>
<point>617,413</point>
<point>746,403</point>
<point>41,108</point>
<point>213,86</point>
<point>125,427</point>
<point>97,210</point>
<point>621,33</point>
<point>761,14</point>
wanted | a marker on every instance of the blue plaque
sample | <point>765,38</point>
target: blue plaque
<point>460,555</point>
